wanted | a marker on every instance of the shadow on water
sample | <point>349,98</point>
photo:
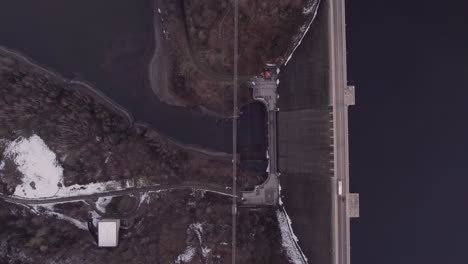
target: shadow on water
<point>108,44</point>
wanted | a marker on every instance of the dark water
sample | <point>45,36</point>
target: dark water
<point>108,44</point>
<point>408,130</point>
<point>252,141</point>
<point>252,132</point>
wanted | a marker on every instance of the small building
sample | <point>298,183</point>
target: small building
<point>353,205</point>
<point>108,232</point>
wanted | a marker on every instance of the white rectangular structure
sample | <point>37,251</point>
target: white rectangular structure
<point>108,232</point>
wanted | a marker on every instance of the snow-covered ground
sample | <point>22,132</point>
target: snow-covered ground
<point>48,209</point>
<point>288,239</point>
<point>146,197</point>
<point>311,6</point>
<point>198,229</point>
<point>186,256</point>
<point>77,189</point>
<point>190,251</point>
<point>42,175</point>
<point>95,217</point>
<point>102,203</point>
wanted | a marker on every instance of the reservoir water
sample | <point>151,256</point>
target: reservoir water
<point>109,45</point>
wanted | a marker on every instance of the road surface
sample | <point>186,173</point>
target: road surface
<point>235,117</point>
<point>182,186</point>
<point>338,84</point>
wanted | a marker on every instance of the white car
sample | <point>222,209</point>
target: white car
<point>340,188</point>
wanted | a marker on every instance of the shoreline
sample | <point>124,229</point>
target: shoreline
<point>302,35</point>
<point>158,79</point>
<point>88,89</point>
<point>80,86</point>
<point>189,147</point>
<point>159,83</point>
<point>99,96</point>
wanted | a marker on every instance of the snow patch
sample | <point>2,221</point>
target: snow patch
<point>313,5</point>
<point>102,203</point>
<point>48,210</point>
<point>107,157</point>
<point>95,218</point>
<point>42,174</point>
<point>310,6</point>
<point>130,183</point>
<point>73,221</point>
<point>280,201</point>
<point>144,198</point>
<point>2,164</point>
<point>288,239</point>
<point>268,158</point>
<point>198,229</point>
<point>97,187</point>
<point>190,251</point>
<point>186,256</point>
<point>205,251</point>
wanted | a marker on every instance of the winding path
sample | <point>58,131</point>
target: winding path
<point>167,187</point>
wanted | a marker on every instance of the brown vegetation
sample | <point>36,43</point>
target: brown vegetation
<point>200,39</point>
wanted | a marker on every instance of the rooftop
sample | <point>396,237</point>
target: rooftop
<point>108,232</point>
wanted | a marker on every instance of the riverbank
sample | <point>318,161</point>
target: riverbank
<point>159,73</point>
<point>312,8</point>
<point>81,86</point>
<point>200,68</point>
<point>88,89</point>
<point>158,67</point>
<point>111,51</point>
<point>94,142</point>
<point>192,148</point>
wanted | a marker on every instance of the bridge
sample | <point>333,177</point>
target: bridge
<point>344,204</point>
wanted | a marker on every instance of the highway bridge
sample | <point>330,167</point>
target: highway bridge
<point>344,204</point>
